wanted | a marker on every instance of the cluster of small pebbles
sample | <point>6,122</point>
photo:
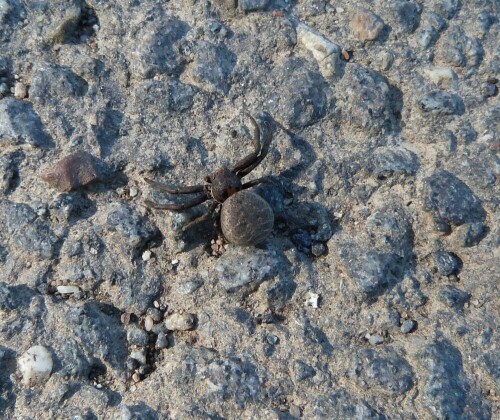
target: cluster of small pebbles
<point>361,280</point>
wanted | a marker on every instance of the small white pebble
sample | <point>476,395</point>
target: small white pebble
<point>68,290</point>
<point>148,323</point>
<point>156,304</point>
<point>312,299</point>
<point>146,255</point>
<point>133,192</point>
<point>338,215</point>
<point>93,251</point>
<point>35,366</point>
<point>175,262</point>
<point>20,90</point>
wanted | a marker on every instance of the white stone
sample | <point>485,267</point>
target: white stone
<point>146,255</point>
<point>180,322</point>
<point>325,52</point>
<point>68,290</point>
<point>35,366</point>
<point>443,76</point>
<point>312,299</point>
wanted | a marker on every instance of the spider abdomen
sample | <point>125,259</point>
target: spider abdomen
<point>246,219</point>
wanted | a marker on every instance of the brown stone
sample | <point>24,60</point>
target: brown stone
<point>366,25</point>
<point>71,172</point>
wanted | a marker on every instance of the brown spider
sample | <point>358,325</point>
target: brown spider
<point>224,182</point>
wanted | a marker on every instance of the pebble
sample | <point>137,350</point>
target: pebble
<point>68,290</point>
<point>4,89</point>
<point>148,323</point>
<point>154,314</point>
<point>312,299</point>
<point>146,255</point>
<point>442,76</point>
<point>366,25</point>
<point>441,102</point>
<point>180,322</point>
<point>133,192</point>
<point>137,336</point>
<point>325,52</point>
<point>253,5</point>
<point>132,364</point>
<point>446,263</point>
<point>20,90</point>
<point>408,326</point>
<point>161,341</point>
<point>375,339</point>
<point>190,286</point>
<point>71,172</point>
<point>35,366</point>
<point>139,355</point>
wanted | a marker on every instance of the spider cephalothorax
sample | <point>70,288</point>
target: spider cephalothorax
<point>224,183</point>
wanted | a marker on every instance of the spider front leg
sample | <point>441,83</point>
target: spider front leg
<point>178,206</point>
<point>250,162</point>
<point>178,190</point>
<point>254,182</point>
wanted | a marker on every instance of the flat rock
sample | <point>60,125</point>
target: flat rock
<point>383,369</point>
<point>366,25</point>
<point>71,172</point>
<point>246,268</point>
<point>450,200</point>
<point>20,124</point>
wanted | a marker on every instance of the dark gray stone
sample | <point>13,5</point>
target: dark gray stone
<point>164,95</point>
<point>299,94</point>
<point>460,50</point>
<point>133,229</point>
<point>253,5</point>
<point>445,388</point>
<point>279,293</point>
<point>383,369</point>
<point>245,268</point>
<point>138,412</point>
<point>158,52</point>
<point>440,103</point>
<point>470,234</point>
<point>365,98</point>
<point>54,83</point>
<point>137,336</point>
<point>340,405</point>
<point>302,370</point>
<point>99,332</point>
<point>213,66</point>
<point>446,8</point>
<point>38,239</point>
<point>386,162</point>
<point>408,326</point>
<point>446,263</point>
<point>373,272</point>
<point>309,218</point>
<point>453,297</point>
<point>405,15</point>
<point>450,200</point>
<point>8,170</point>
<point>15,297</point>
<point>20,124</point>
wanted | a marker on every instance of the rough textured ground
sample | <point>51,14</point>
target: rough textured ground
<point>384,187</point>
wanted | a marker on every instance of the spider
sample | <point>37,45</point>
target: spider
<point>224,182</point>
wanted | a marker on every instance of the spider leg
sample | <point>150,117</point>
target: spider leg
<point>178,190</point>
<point>254,182</point>
<point>178,206</point>
<point>250,162</point>
<point>204,216</point>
